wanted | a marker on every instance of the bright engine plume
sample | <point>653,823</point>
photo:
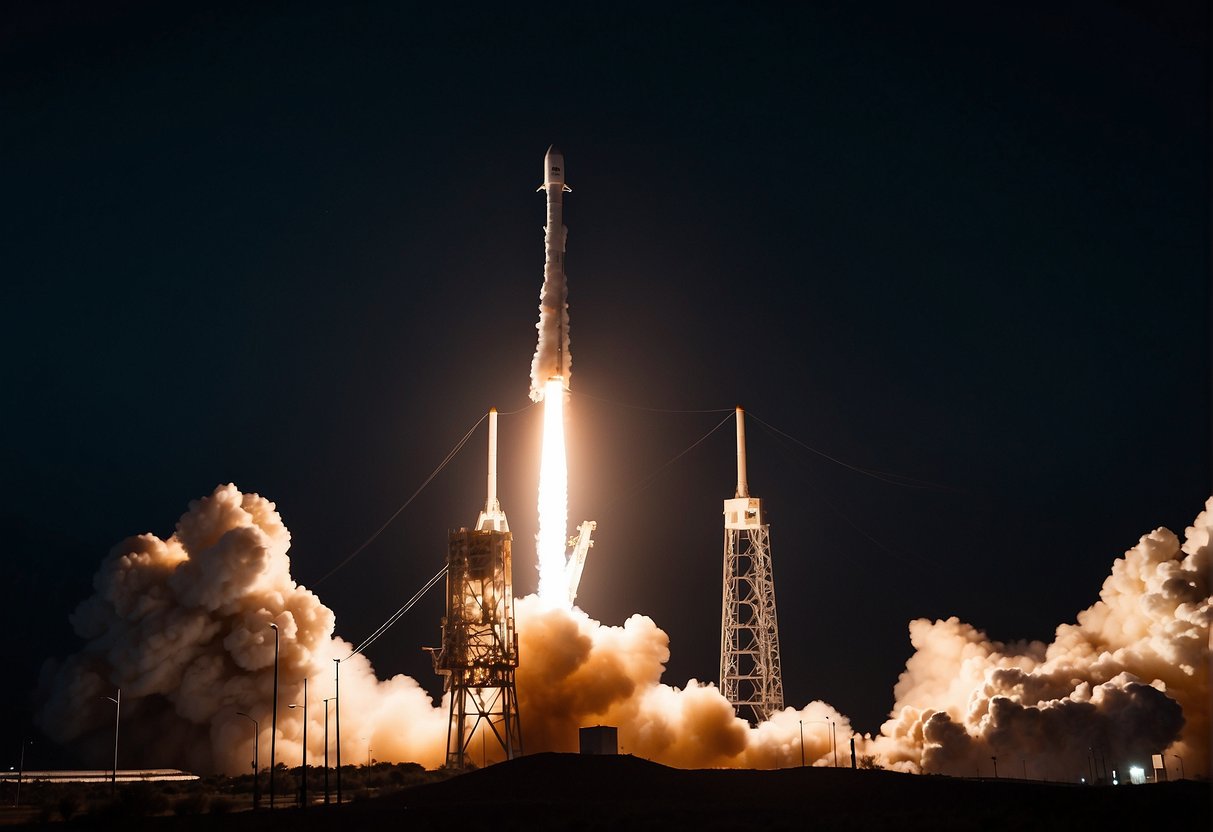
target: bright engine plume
<point>553,498</point>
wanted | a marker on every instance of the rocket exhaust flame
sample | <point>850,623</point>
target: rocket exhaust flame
<point>553,497</point>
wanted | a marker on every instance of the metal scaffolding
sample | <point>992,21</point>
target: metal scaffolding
<point>479,652</point>
<point>750,674</point>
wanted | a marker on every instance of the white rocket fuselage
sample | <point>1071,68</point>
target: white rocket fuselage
<point>554,184</point>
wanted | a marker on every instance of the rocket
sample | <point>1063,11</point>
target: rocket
<point>552,356</point>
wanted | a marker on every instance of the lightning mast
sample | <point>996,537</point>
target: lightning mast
<point>479,652</point>
<point>750,674</point>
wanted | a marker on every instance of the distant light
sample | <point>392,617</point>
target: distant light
<point>1137,775</point>
<point>1082,779</point>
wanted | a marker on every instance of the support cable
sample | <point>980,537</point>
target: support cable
<point>643,484</point>
<point>386,625</point>
<point>579,394</point>
<point>446,461</point>
<point>884,476</point>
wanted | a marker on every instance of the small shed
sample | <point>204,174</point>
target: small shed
<point>599,739</point>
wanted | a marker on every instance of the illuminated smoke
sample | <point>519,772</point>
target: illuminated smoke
<point>576,672</point>
<point>182,626</point>
<point>1130,678</point>
<point>552,356</point>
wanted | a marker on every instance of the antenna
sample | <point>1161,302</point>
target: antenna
<point>743,488</point>
<point>492,517</point>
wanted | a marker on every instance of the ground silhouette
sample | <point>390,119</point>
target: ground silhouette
<point>568,791</point>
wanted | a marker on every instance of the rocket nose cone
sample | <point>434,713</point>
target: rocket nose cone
<point>553,167</point>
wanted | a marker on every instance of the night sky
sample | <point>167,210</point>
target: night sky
<point>963,249</point>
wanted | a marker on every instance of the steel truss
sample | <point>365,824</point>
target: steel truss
<point>750,673</point>
<point>479,652</point>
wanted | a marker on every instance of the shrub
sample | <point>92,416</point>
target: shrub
<point>191,804</point>
<point>69,805</point>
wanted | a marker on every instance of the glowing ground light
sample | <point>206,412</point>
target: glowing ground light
<point>553,498</point>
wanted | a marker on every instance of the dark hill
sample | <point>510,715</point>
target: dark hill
<point>567,791</point>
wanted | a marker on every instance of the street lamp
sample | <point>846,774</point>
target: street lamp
<point>1181,765</point>
<point>21,772</point>
<point>824,722</point>
<point>117,716</point>
<point>256,749</point>
<point>303,788</point>
<point>326,750</point>
<point>337,708</point>
<point>274,720</point>
<point>834,740</point>
<point>802,743</point>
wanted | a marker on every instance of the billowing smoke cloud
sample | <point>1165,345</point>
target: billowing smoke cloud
<point>576,672</point>
<point>182,625</point>
<point>552,356</point>
<point>1129,679</point>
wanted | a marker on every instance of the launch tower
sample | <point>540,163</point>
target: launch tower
<point>750,675</point>
<point>479,652</point>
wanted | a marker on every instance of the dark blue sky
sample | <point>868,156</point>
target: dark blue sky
<point>297,247</point>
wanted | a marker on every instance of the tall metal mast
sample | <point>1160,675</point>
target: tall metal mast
<point>750,675</point>
<point>492,517</point>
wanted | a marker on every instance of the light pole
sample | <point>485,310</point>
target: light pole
<point>995,759</point>
<point>823,722</point>
<point>337,708</point>
<point>326,750</point>
<point>256,749</point>
<point>303,787</point>
<point>802,743</point>
<point>21,772</point>
<point>834,740</point>
<point>117,716</point>
<point>368,751</point>
<point>274,719</point>
<point>1181,765</point>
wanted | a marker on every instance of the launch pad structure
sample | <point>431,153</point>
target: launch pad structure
<point>479,652</point>
<point>750,675</point>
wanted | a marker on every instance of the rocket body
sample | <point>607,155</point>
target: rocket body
<point>552,357</point>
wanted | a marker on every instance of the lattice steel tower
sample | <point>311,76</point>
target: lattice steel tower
<point>750,675</point>
<point>479,652</point>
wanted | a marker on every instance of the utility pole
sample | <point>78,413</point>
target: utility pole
<point>337,708</point>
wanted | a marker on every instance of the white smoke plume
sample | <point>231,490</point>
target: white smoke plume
<point>182,626</point>
<point>1129,679</point>
<point>552,356</point>
<point>574,672</point>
